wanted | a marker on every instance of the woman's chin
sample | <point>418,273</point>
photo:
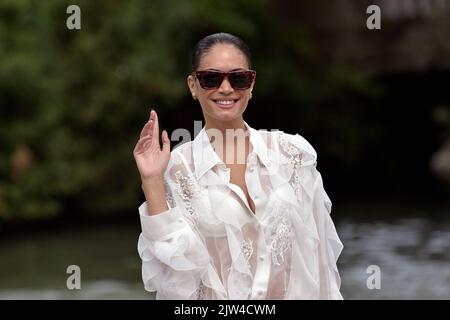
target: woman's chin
<point>225,114</point>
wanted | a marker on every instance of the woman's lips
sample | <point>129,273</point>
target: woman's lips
<point>225,104</point>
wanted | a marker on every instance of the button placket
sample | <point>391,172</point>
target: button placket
<point>251,162</point>
<point>262,272</point>
<point>254,185</point>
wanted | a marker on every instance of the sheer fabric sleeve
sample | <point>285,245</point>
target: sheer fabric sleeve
<point>319,205</point>
<point>330,246</point>
<point>173,254</point>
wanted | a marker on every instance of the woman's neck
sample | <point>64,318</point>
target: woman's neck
<point>222,126</point>
<point>232,136</point>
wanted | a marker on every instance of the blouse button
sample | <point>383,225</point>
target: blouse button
<point>261,257</point>
<point>180,220</point>
<point>251,169</point>
<point>260,292</point>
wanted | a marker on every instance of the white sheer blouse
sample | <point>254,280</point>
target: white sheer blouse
<point>210,245</point>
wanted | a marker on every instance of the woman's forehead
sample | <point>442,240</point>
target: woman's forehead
<point>223,57</point>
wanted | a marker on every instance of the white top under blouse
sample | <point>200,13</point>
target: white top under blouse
<point>210,245</point>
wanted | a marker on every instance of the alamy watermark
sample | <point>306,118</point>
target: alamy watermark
<point>230,145</point>
<point>74,280</point>
<point>374,280</point>
<point>73,22</point>
<point>374,20</point>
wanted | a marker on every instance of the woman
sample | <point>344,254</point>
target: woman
<point>237,213</point>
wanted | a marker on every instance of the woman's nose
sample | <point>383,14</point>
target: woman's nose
<point>225,86</point>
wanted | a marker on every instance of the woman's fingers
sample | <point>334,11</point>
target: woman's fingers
<point>155,131</point>
<point>146,129</point>
<point>150,133</point>
<point>166,142</point>
<point>151,113</point>
<point>142,144</point>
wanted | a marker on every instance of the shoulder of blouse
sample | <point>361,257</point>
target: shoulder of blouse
<point>294,145</point>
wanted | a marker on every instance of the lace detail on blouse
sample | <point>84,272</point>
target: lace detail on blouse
<point>247,249</point>
<point>280,235</point>
<point>201,292</point>
<point>186,188</point>
<point>295,159</point>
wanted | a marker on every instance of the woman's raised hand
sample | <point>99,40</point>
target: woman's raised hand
<point>150,159</point>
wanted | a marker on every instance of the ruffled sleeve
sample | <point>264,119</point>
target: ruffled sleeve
<point>315,203</point>
<point>330,246</point>
<point>174,257</point>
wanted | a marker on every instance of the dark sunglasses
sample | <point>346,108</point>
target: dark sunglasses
<point>239,80</point>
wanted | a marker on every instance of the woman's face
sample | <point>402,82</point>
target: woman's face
<point>225,58</point>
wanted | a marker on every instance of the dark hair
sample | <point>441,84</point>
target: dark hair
<point>205,44</point>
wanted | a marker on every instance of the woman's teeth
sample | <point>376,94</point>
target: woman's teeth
<point>225,101</point>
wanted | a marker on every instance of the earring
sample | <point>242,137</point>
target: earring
<point>194,97</point>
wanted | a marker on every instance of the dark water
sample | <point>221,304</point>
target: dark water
<point>35,266</point>
<point>413,254</point>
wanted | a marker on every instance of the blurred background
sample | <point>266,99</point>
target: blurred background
<point>375,104</point>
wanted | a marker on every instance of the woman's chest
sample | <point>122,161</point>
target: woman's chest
<point>237,177</point>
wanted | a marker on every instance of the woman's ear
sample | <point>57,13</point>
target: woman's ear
<point>191,85</point>
<point>251,89</point>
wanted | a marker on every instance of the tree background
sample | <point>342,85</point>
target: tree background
<point>375,105</point>
<point>73,101</point>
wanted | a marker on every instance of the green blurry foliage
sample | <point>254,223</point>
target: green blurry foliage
<point>72,102</point>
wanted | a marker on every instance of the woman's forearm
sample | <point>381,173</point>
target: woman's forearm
<point>155,195</point>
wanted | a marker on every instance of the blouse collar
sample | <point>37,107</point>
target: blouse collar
<point>206,158</point>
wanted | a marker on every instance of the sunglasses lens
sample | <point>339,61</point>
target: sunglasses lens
<point>241,80</point>
<point>210,79</point>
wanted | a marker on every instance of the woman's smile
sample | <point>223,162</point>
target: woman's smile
<point>225,103</point>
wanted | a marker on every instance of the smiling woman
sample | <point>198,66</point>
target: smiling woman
<point>216,228</point>
<point>222,80</point>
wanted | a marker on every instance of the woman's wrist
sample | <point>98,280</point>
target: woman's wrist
<point>152,180</point>
<point>155,192</point>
